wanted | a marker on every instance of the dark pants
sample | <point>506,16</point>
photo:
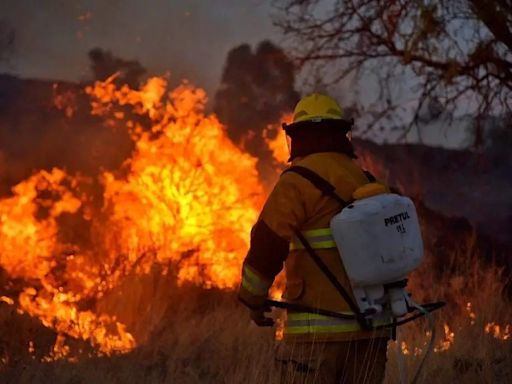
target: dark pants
<point>347,362</point>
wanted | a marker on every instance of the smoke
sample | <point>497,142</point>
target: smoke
<point>48,124</point>
<point>188,38</point>
<point>257,88</point>
<point>104,64</point>
<point>7,38</point>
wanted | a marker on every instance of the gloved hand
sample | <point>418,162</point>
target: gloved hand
<point>257,307</point>
<point>258,316</point>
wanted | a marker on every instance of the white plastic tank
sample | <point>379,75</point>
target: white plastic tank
<point>380,242</point>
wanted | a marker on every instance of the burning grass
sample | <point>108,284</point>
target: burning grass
<point>473,342</point>
<point>205,336</point>
<point>187,196</point>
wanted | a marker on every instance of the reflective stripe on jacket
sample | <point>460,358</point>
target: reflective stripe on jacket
<point>253,282</point>
<point>304,323</point>
<point>318,239</point>
<point>301,323</point>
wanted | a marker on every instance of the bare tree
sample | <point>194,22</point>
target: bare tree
<point>456,51</point>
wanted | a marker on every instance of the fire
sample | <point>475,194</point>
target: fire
<point>186,199</point>
<point>6,300</point>
<point>471,314</point>
<point>447,342</point>
<point>498,331</point>
<point>277,144</point>
<point>191,196</point>
<point>60,349</point>
<point>404,348</point>
<point>27,243</point>
<point>64,101</point>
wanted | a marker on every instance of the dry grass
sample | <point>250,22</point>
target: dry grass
<point>206,337</point>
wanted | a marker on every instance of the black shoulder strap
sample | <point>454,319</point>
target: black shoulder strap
<point>369,176</point>
<point>318,181</point>
<point>363,322</point>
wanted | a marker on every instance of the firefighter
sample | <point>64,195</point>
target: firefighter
<point>315,348</point>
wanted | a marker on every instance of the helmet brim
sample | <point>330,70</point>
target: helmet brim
<point>341,124</point>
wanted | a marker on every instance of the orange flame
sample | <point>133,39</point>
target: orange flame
<point>188,197</point>
<point>277,145</point>
<point>447,342</point>
<point>27,243</point>
<point>498,331</point>
<point>184,192</point>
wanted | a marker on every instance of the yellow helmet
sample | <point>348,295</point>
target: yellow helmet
<point>317,107</point>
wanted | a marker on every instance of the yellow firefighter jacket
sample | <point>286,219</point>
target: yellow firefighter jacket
<point>296,203</point>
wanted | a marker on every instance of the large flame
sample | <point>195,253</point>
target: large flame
<point>190,196</point>
<point>187,197</point>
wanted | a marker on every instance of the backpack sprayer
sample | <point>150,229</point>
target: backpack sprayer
<point>380,243</point>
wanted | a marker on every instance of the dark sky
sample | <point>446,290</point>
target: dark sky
<point>189,38</point>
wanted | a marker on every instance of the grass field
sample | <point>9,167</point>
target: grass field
<point>205,336</point>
